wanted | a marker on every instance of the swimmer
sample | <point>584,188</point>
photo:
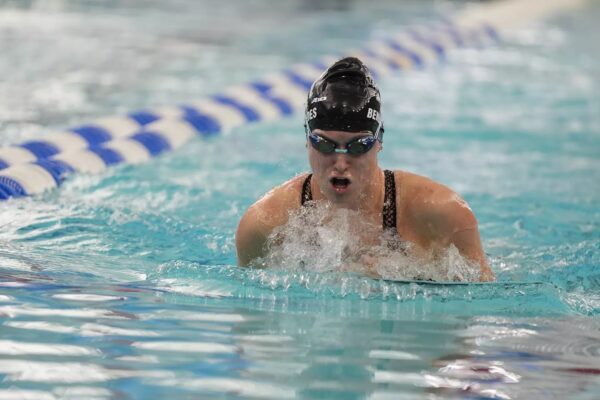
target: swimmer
<point>344,134</point>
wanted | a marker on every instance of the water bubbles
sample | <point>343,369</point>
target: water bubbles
<point>321,238</point>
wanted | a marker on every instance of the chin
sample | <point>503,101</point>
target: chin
<point>343,200</point>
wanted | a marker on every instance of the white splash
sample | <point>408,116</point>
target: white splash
<point>323,239</point>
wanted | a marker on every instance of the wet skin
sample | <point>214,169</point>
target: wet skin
<point>361,172</point>
<point>429,215</point>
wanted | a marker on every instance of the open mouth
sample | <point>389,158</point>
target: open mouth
<point>340,184</point>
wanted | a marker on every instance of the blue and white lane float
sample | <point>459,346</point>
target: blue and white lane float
<point>36,166</point>
<point>39,165</point>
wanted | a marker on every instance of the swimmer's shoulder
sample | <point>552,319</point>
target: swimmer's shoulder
<point>273,208</point>
<point>284,197</point>
<point>262,217</point>
<point>419,189</point>
<point>437,215</point>
<point>431,204</point>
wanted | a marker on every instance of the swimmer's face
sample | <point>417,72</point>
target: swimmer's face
<point>343,178</point>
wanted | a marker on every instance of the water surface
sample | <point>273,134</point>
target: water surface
<point>124,285</point>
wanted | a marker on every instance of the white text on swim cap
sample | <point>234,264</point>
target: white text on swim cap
<point>317,99</point>
<point>373,114</point>
<point>310,114</point>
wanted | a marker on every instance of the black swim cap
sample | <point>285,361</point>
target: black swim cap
<point>344,98</point>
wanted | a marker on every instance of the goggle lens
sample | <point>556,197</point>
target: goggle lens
<point>356,147</point>
<point>361,146</point>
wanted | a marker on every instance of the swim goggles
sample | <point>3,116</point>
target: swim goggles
<point>354,147</point>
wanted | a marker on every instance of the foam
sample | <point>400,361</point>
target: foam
<point>343,242</point>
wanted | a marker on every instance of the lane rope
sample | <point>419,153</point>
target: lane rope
<point>36,166</point>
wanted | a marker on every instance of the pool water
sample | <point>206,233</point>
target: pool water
<point>124,285</point>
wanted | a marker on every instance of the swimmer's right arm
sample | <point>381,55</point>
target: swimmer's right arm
<point>269,212</point>
<point>250,238</point>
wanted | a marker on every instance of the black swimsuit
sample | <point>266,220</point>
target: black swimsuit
<point>389,200</point>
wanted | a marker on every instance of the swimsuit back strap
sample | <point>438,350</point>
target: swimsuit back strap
<point>389,201</point>
<point>306,191</point>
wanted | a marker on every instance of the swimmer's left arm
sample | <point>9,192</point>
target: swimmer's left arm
<point>468,243</point>
<point>452,222</point>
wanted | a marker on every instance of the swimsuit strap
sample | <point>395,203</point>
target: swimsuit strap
<point>306,191</point>
<point>389,201</point>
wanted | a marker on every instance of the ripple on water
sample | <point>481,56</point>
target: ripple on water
<point>283,286</point>
<point>514,351</point>
<point>120,285</point>
<point>54,372</point>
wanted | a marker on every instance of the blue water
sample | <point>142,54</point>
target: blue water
<point>124,285</point>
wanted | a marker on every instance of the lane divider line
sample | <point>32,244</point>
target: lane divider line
<point>39,165</point>
<point>36,166</point>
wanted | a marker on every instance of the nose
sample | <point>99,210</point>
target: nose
<point>341,162</point>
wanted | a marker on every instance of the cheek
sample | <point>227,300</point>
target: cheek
<point>312,161</point>
<point>366,165</point>
<point>316,161</point>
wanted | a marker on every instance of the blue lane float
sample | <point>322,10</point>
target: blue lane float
<point>39,165</point>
